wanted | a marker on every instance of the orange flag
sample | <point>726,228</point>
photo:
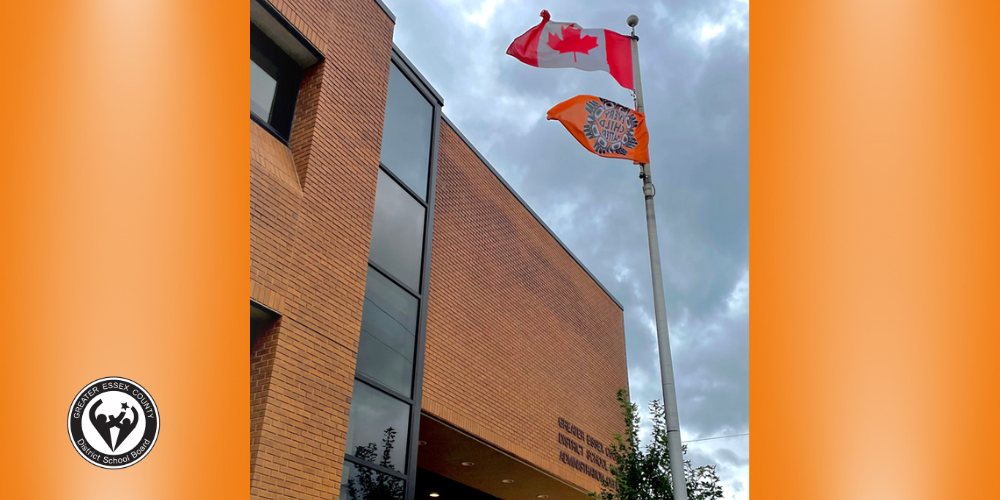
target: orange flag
<point>606,128</point>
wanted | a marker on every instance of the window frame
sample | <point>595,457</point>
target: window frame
<point>418,371</point>
<point>421,90</point>
<point>377,468</point>
<point>286,94</point>
<point>423,262</point>
<point>292,52</point>
<point>405,187</point>
<point>412,446</point>
<point>368,379</point>
<point>385,391</point>
<point>437,103</point>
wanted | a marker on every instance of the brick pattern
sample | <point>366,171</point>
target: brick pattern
<point>518,333</point>
<point>311,209</point>
<point>273,157</point>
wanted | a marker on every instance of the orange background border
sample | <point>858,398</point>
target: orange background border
<point>124,235</point>
<point>874,172</point>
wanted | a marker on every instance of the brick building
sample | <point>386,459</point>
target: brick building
<point>416,330</point>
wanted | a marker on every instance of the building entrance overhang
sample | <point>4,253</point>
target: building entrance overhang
<point>448,453</point>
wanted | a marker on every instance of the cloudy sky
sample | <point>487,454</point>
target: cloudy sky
<point>696,77</point>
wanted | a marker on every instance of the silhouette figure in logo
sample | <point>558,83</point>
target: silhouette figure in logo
<point>103,424</point>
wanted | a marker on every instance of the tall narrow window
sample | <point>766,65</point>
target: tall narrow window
<point>385,404</point>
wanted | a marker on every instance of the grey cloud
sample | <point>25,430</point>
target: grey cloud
<point>728,457</point>
<point>697,100</point>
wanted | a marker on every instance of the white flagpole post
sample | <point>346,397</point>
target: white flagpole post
<point>660,307</point>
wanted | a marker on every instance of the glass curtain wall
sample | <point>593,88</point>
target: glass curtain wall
<point>385,398</point>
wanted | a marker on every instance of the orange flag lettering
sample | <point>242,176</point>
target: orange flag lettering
<point>604,127</point>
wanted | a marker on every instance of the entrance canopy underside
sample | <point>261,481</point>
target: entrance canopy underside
<point>447,448</point>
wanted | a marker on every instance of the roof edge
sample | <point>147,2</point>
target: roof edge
<point>392,17</point>
<point>417,74</point>
<point>527,207</point>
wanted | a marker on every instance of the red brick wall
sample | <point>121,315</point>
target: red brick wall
<point>518,333</point>
<point>310,224</point>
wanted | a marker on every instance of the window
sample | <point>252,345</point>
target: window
<point>363,483</point>
<point>398,232</point>
<point>274,84</point>
<point>406,135</point>
<point>379,427</point>
<point>262,88</point>
<point>385,404</point>
<point>388,334</point>
<point>260,322</point>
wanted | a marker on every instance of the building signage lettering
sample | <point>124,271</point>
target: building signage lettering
<point>598,455</point>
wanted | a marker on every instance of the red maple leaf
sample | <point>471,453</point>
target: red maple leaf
<point>572,42</point>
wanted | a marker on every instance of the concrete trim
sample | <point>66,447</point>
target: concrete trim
<point>284,34</point>
<point>392,17</point>
<point>415,74</point>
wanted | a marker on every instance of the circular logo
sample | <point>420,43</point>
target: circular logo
<point>611,126</point>
<point>113,423</point>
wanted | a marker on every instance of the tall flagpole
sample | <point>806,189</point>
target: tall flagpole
<point>662,328</point>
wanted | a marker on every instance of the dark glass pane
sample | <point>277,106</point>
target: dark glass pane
<point>406,136</point>
<point>254,331</point>
<point>397,232</point>
<point>378,429</point>
<point>262,87</point>
<point>362,483</point>
<point>259,321</point>
<point>388,334</point>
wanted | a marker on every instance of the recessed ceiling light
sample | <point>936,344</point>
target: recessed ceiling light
<point>421,443</point>
<point>434,495</point>
<point>508,481</point>
<point>543,496</point>
<point>468,464</point>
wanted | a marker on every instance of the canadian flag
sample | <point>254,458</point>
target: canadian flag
<point>567,45</point>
